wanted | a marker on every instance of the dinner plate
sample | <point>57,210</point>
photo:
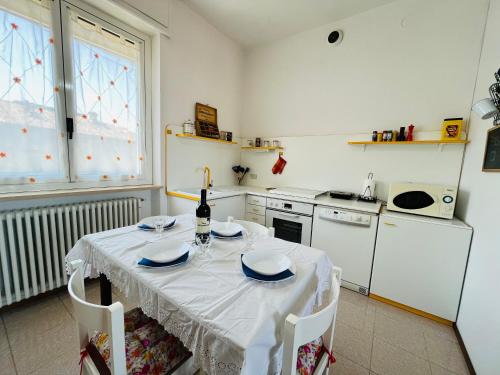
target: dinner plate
<point>150,264</point>
<point>237,236</point>
<point>266,263</point>
<point>226,229</point>
<point>164,251</point>
<point>150,221</point>
<point>282,276</point>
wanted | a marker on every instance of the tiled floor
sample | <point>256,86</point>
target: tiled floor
<point>371,338</point>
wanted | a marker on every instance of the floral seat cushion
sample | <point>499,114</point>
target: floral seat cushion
<point>308,357</point>
<point>149,348</point>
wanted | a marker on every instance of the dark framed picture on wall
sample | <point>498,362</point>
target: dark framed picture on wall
<point>491,161</point>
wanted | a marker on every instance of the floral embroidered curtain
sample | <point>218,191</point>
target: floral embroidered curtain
<point>32,143</point>
<point>107,140</point>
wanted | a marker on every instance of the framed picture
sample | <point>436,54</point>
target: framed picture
<point>491,162</point>
<point>452,128</point>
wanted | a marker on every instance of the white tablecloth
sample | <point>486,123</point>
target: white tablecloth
<point>231,324</point>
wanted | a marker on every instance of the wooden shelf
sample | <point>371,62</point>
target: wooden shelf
<point>427,142</point>
<point>270,148</point>
<point>189,136</point>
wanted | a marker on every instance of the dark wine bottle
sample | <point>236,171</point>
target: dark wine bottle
<point>203,220</point>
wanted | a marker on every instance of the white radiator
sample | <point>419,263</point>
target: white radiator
<point>34,242</point>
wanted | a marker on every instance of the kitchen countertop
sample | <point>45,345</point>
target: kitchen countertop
<point>322,200</point>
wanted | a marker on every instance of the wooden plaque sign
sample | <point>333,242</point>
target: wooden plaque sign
<point>206,121</point>
<point>491,161</point>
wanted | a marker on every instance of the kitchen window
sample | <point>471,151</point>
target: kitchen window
<point>73,98</point>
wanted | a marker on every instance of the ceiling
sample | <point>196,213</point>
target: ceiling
<point>254,22</point>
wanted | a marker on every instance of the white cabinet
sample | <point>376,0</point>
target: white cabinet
<point>256,209</point>
<point>420,262</point>
<point>221,208</point>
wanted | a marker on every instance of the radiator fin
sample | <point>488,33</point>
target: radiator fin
<point>34,242</point>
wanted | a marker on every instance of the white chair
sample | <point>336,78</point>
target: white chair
<point>103,336</point>
<point>316,330</point>
<point>250,226</point>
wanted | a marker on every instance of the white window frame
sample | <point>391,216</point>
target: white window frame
<point>63,78</point>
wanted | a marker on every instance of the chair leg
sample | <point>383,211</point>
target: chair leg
<point>105,287</point>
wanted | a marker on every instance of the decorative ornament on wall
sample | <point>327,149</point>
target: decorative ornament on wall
<point>490,108</point>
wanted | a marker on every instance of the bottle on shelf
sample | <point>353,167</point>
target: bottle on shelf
<point>202,236</point>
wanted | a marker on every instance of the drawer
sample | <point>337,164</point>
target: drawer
<point>259,219</point>
<point>256,200</point>
<point>253,209</point>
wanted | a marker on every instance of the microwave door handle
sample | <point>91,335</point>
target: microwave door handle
<point>288,216</point>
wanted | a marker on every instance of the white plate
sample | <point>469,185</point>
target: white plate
<point>226,228</point>
<point>164,251</point>
<point>266,262</point>
<point>150,221</point>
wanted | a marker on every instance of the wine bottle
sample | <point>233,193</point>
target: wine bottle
<point>203,220</point>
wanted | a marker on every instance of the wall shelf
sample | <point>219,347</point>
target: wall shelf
<point>257,149</point>
<point>427,142</point>
<point>195,137</point>
<point>438,142</point>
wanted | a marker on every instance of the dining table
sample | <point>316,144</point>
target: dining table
<point>231,323</point>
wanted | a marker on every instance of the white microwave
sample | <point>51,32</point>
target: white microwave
<point>422,199</point>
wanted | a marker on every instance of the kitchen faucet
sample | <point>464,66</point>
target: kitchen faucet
<point>207,177</point>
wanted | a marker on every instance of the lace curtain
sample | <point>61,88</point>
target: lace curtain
<point>104,97</point>
<point>32,144</point>
<point>107,141</point>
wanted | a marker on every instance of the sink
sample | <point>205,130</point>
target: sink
<point>196,191</point>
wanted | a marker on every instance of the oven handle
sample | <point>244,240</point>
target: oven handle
<point>289,216</point>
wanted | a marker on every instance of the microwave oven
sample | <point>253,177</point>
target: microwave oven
<point>422,199</point>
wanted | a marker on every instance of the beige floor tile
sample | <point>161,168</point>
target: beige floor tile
<point>33,352</point>
<point>6,364</point>
<point>388,359</point>
<point>34,318</point>
<point>344,366</point>
<point>446,354</point>
<point>66,364</point>
<point>356,314</point>
<point>354,344</point>
<point>401,333</point>
<point>438,370</point>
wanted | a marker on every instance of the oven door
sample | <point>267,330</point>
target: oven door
<point>290,227</point>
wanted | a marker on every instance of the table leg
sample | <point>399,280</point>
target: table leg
<point>105,284</point>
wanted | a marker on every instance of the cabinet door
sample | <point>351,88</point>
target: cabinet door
<point>420,264</point>
<point>221,208</point>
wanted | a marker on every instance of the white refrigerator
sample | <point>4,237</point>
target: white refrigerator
<point>420,262</point>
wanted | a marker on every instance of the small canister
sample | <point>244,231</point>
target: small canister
<point>250,142</point>
<point>258,142</point>
<point>276,143</point>
<point>229,136</point>
<point>374,136</point>
<point>379,137</point>
<point>188,127</point>
<point>384,136</point>
<point>222,135</point>
<point>266,143</point>
<point>389,136</point>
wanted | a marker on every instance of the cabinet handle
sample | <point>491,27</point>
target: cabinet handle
<point>390,224</point>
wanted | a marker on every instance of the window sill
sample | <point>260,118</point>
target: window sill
<point>73,192</point>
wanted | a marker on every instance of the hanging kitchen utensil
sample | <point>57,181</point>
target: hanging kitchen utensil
<point>279,165</point>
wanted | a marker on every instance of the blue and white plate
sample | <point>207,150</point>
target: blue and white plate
<point>148,223</point>
<point>150,264</point>
<point>236,236</point>
<point>226,229</point>
<point>284,275</point>
<point>164,251</point>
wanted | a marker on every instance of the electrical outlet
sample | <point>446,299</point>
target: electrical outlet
<point>253,176</point>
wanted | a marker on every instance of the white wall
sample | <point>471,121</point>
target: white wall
<point>199,64</point>
<point>479,316</point>
<point>411,61</point>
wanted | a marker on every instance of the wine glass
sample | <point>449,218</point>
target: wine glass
<point>159,225</point>
<point>250,237</point>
